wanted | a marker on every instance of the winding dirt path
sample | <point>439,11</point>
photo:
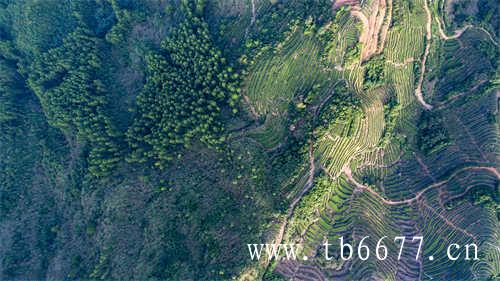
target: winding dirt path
<point>460,31</point>
<point>364,20</point>
<point>401,64</point>
<point>449,223</point>
<point>375,27</point>
<point>447,102</point>
<point>347,171</point>
<point>291,209</point>
<point>489,35</point>
<point>424,167</point>
<point>310,181</point>
<point>250,107</point>
<point>418,90</point>
<point>252,21</point>
<point>470,136</point>
<point>385,27</point>
<point>457,34</point>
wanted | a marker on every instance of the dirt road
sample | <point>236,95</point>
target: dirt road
<point>418,90</point>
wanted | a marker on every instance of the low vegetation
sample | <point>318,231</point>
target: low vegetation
<point>432,135</point>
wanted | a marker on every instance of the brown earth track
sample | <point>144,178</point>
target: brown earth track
<point>347,171</point>
<point>457,33</point>
<point>375,27</point>
<point>428,28</point>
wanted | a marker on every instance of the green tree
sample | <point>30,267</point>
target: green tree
<point>188,85</point>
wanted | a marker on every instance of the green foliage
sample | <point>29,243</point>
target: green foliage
<point>197,232</point>
<point>432,135</point>
<point>118,32</point>
<point>328,33</point>
<point>374,72</point>
<point>66,80</point>
<point>12,261</point>
<point>353,53</point>
<point>277,18</point>
<point>314,199</point>
<point>98,16</point>
<point>342,108</point>
<point>481,12</point>
<point>488,13</point>
<point>484,196</point>
<point>188,85</point>
<point>41,25</point>
<point>10,92</point>
<point>465,67</point>
<point>13,168</point>
<point>273,276</point>
<point>392,110</point>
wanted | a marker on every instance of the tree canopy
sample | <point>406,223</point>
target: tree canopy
<point>188,85</point>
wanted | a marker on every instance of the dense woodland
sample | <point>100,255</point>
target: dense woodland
<point>64,134</point>
<point>66,80</point>
<point>188,86</point>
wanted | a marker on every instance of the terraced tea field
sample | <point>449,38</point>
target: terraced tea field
<point>382,173</point>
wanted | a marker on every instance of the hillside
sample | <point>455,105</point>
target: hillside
<point>155,139</point>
